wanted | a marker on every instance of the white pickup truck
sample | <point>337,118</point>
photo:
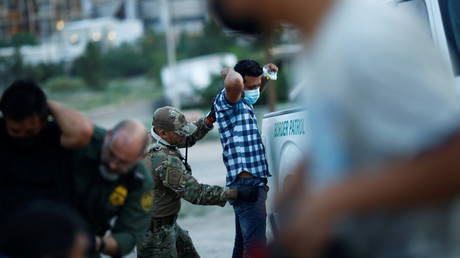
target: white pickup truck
<point>285,133</point>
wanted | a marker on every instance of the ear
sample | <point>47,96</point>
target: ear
<point>162,133</point>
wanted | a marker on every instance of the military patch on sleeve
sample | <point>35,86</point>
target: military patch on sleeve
<point>173,176</point>
<point>118,197</point>
<point>147,200</point>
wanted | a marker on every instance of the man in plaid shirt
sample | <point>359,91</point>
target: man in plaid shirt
<point>243,150</point>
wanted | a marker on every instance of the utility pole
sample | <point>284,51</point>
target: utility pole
<point>171,50</point>
<point>271,85</point>
<point>30,17</point>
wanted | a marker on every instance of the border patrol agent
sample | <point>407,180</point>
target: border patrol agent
<point>173,180</point>
<point>104,191</point>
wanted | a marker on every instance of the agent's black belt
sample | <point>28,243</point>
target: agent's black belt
<point>159,222</point>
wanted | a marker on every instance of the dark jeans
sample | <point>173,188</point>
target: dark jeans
<point>250,220</point>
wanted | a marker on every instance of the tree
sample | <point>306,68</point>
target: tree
<point>124,61</point>
<point>90,66</point>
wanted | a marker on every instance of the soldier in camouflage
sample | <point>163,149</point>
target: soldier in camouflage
<point>173,180</point>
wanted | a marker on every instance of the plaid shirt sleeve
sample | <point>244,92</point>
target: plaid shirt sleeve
<point>221,102</point>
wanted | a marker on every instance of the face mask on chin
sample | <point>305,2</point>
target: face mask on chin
<point>106,174</point>
<point>240,23</point>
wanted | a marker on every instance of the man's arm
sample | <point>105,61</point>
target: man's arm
<point>175,177</point>
<point>270,68</point>
<point>133,219</point>
<point>110,246</point>
<point>76,128</point>
<point>422,181</point>
<point>233,84</point>
<point>203,127</point>
<point>202,194</point>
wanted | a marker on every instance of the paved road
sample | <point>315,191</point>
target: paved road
<point>108,116</point>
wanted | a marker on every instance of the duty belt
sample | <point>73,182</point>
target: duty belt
<point>165,221</point>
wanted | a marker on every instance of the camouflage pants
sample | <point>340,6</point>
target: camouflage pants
<point>167,242</point>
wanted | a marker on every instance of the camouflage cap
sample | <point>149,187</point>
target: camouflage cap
<point>171,119</point>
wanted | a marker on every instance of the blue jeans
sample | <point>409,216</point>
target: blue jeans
<point>250,220</point>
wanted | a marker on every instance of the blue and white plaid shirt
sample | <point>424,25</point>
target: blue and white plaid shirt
<point>240,138</point>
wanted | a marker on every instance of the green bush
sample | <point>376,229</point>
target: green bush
<point>208,94</point>
<point>124,61</point>
<point>90,66</point>
<point>13,68</point>
<point>19,39</point>
<point>64,84</point>
<point>153,49</point>
<point>44,71</point>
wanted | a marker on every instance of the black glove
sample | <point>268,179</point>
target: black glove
<point>247,193</point>
<point>212,114</point>
<point>92,243</point>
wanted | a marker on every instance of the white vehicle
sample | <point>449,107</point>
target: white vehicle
<point>285,133</point>
<point>187,76</point>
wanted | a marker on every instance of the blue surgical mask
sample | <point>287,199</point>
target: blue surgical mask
<point>251,96</point>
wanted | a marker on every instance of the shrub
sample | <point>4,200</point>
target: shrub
<point>90,66</point>
<point>64,83</point>
<point>124,61</point>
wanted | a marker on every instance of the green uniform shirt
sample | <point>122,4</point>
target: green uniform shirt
<point>98,200</point>
<point>172,180</point>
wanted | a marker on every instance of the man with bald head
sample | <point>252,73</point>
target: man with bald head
<point>110,181</point>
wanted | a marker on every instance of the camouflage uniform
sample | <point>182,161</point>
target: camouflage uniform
<point>173,180</point>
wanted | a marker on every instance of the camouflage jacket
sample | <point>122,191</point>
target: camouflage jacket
<point>172,180</point>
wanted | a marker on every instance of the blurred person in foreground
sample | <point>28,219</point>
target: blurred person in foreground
<point>173,181</point>
<point>243,150</point>
<point>110,182</point>
<point>43,229</point>
<point>34,149</point>
<point>385,129</point>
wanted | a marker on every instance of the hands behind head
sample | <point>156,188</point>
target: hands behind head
<point>271,67</point>
<point>225,71</point>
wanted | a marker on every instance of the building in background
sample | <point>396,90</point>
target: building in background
<point>45,17</point>
<point>71,41</point>
<point>39,17</point>
<point>106,30</point>
<point>191,75</point>
<point>187,16</point>
<point>64,27</point>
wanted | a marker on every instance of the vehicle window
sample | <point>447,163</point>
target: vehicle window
<point>450,11</point>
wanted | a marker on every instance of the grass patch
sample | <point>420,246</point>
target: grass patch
<point>118,92</point>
